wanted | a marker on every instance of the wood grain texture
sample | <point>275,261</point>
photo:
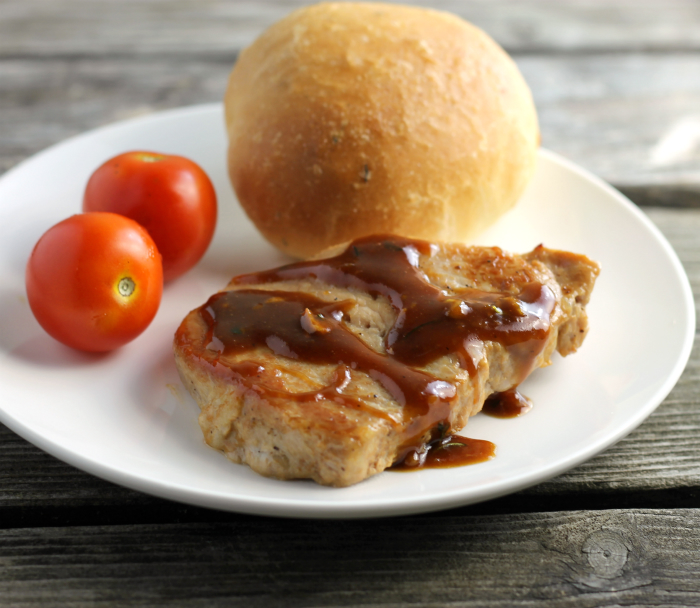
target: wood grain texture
<point>80,28</point>
<point>615,81</point>
<point>581,559</point>
<point>629,116</point>
<point>44,102</point>
<point>607,113</point>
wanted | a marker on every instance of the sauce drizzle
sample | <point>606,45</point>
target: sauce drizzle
<point>508,404</point>
<point>445,453</point>
<point>430,323</point>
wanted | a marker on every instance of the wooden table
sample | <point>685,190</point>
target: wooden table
<point>614,81</point>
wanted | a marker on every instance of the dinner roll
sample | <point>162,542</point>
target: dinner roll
<point>349,119</point>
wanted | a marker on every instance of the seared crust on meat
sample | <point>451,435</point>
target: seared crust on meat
<point>277,418</point>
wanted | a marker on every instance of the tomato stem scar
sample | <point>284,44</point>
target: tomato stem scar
<point>147,157</point>
<point>126,286</point>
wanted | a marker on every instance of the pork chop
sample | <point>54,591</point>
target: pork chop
<point>336,369</point>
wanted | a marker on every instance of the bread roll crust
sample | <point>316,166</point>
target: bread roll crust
<point>348,119</point>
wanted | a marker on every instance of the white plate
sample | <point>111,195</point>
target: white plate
<point>126,417</point>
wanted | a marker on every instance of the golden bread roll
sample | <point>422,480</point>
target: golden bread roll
<point>349,119</point>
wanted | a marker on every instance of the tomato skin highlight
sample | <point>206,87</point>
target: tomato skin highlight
<point>170,196</point>
<point>94,281</point>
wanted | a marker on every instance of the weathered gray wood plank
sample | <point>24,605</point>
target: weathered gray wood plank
<point>211,27</point>
<point>608,113</point>
<point>44,102</point>
<point>69,66</point>
<point>582,559</point>
<point>630,117</point>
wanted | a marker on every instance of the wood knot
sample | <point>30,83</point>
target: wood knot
<point>606,553</point>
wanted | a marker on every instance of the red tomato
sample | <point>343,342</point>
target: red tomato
<point>170,196</point>
<point>94,281</point>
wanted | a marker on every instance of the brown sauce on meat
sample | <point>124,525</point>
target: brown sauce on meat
<point>242,320</point>
<point>508,404</point>
<point>430,323</point>
<point>447,452</point>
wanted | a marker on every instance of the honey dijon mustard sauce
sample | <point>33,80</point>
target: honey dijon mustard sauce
<point>430,323</point>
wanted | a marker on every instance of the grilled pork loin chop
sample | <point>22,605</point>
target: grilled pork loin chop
<point>336,369</point>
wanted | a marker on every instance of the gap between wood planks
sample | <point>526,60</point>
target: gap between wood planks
<point>679,197</point>
<point>151,510</point>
